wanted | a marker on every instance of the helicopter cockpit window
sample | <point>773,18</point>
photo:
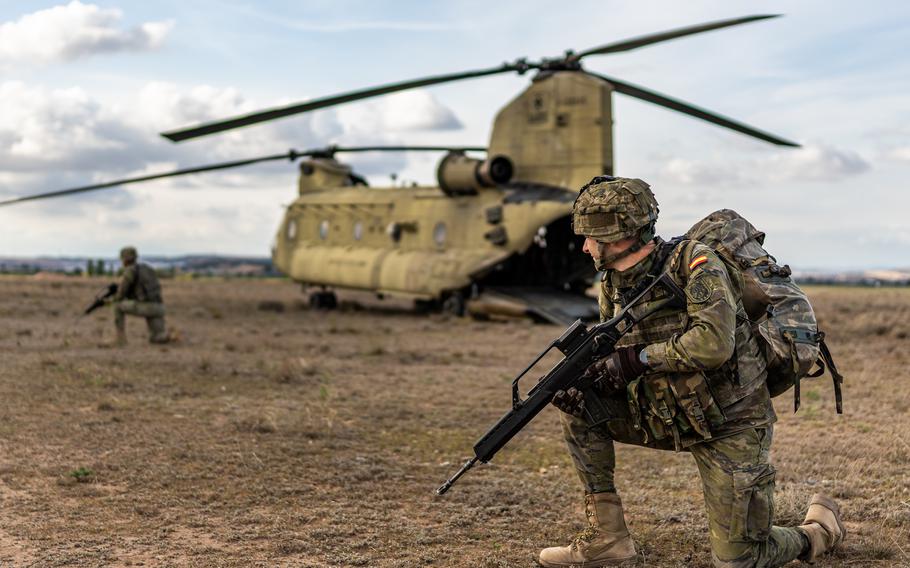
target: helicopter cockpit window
<point>439,234</point>
<point>323,230</point>
<point>291,230</point>
<point>358,231</point>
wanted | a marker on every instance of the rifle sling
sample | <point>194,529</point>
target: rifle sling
<point>661,254</point>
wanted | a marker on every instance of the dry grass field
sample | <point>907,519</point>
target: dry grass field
<point>313,439</point>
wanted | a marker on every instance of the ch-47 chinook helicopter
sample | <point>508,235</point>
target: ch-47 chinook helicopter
<point>495,235</point>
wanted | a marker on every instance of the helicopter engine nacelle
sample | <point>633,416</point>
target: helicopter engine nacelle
<point>317,174</point>
<point>461,175</point>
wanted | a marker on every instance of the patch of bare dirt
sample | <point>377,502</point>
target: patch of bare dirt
<point>316,439</point>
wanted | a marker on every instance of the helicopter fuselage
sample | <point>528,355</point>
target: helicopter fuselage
<point>428,242</point>
<point>423,243</point>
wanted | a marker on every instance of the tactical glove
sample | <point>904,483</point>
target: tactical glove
<point>617,369</point>
<point>570,401</point>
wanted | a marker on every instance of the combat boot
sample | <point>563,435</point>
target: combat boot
<point>161,339</point>
<point>606,541</point>
<point>157,331</point>
<point>822,526</point>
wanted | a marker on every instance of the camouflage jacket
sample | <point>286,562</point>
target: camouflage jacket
<point>139,282</point>
<point>706,375</point>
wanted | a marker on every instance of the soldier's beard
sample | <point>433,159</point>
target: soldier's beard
<point>604,260</point>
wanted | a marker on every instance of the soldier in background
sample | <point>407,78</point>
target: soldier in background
<point>690,378</point>
<point>139,294</point>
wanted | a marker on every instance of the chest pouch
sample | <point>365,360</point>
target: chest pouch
<point>678,406</point>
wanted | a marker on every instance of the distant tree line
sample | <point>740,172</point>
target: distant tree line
<point>98,268</point>
<point>93,267</point>
<point>865,282</point>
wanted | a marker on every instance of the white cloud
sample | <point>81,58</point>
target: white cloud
<point>900,154</point>
<point>167,105</point>
<point>401,112</point>
<point>815,162</point>
<point>75,30</point>
<point>343,24</point>
<point>692,172</point>
<point>60,129</point>
<point>52,139</point>
<point>811,163</point>
<point>57,138</point>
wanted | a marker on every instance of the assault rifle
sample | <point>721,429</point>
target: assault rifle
<point>581,346</point>
<point>100,298</point>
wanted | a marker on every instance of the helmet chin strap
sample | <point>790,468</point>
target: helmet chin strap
<point>605,259</point>
<point>647,233</point>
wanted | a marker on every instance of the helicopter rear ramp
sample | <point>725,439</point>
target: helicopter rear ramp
<point>540,304</point>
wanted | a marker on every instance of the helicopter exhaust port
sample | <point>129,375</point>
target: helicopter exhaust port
<point>460,175</point>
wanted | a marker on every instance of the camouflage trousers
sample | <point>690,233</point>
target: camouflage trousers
<point>737,482</point>
<point>153,312</point>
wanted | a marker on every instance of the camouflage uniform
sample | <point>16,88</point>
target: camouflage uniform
<point>704,392</point>
<point>139,294</point>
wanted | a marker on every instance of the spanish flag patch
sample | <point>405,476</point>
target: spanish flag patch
<point>697,261</point>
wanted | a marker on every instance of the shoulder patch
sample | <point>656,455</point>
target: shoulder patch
<point>698,291</point>
<point>698,260</point>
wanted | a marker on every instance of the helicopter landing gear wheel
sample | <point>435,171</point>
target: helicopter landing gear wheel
<point>323,301</point>
<point>454,304</point>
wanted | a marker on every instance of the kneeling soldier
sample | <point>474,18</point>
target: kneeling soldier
<point>690,379</point>
<point>139,294</point>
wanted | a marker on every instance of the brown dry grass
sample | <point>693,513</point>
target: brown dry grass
<point>302,438</point>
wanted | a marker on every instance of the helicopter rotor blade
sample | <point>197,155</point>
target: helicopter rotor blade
<point>180,172</point>
<point>692,110</point>
<point>569,61</point>
<point>290,155</point>
<point>182,134</point>
<point>641,41</point>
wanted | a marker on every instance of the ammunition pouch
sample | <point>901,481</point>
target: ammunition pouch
<point>678,406</point>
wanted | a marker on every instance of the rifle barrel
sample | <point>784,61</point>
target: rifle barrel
<point>445,486</point>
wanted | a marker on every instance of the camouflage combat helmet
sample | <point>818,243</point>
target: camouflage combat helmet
<point>610,209</point>
<point>128,254</point>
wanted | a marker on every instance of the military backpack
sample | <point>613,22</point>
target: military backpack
<point>147,287</point>
<point>781,315</point>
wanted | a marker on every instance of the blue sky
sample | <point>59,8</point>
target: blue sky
<point>85,88</point>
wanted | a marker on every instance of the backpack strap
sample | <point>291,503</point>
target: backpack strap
<point>667,249</point>
<point>836,377</point>
<point>788,334</point>
<point>796,335</point>
<point>825,359</point>
<point>681,249</point>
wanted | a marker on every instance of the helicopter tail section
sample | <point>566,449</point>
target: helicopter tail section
<point>559,131</point>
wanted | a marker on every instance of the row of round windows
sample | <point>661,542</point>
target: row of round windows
<point>393,230</point>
